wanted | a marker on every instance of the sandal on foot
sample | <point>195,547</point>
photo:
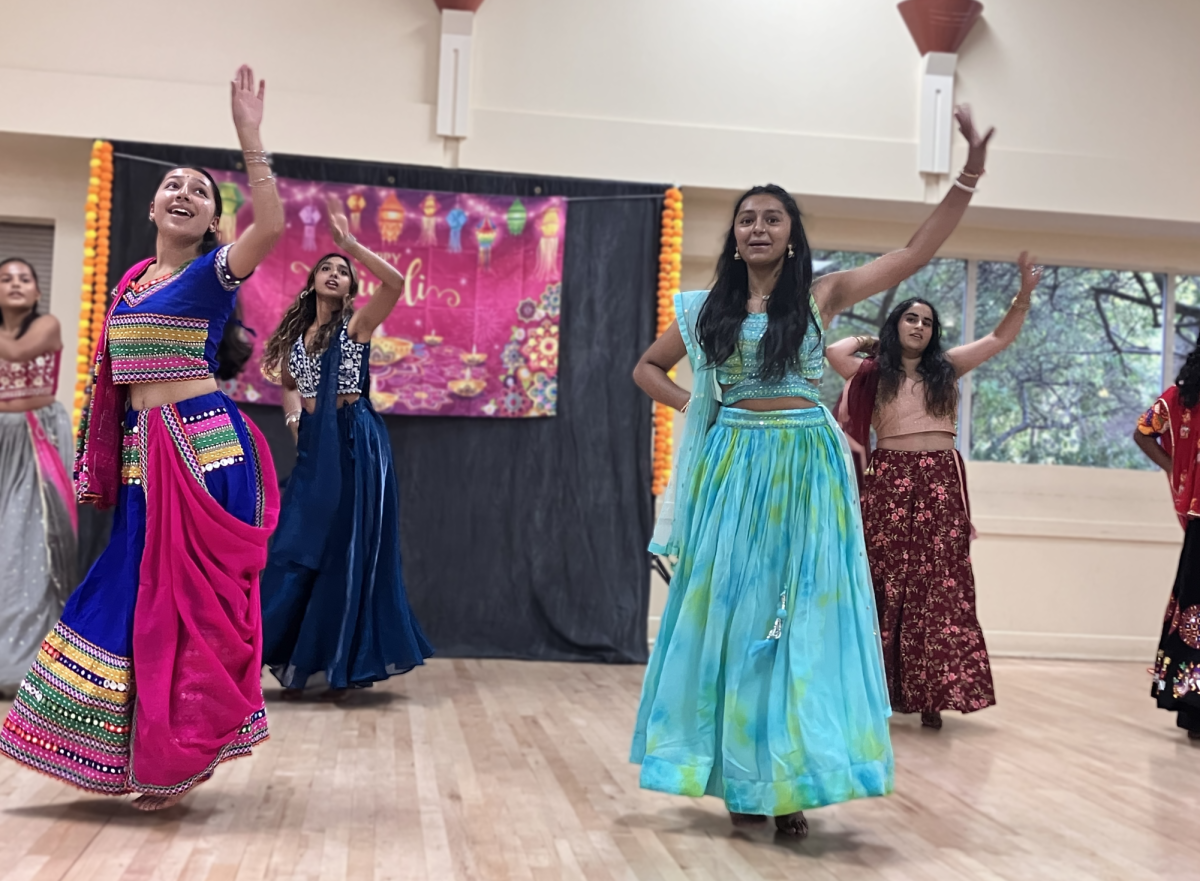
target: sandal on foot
<point>793,824</point>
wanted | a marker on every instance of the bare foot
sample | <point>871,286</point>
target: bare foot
<point>793,824</point>
<point>292,694</point>
<point>746,819</point>
<point>932,720</point>
<point>156,802</point>
<point>334,695</point>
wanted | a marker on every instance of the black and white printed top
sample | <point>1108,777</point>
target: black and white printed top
<point>352,371</point>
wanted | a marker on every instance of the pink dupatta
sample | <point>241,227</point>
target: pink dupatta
<point>51,468</point>
<point>98,458</point>
<point>197,629</point>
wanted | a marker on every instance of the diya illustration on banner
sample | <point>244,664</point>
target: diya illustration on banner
<point>477,330</point>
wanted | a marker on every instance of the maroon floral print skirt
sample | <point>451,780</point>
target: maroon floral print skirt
<point>918,531</point>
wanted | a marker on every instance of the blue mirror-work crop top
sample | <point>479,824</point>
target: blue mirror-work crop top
<point>168,330</point>
<point>739,378</point>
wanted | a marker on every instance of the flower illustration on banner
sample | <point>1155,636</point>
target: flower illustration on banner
<point>456,220</point>
<point>490,408</point>
<point>390,218</point>
<point>514,402</point>
<point>429,208</point>
<point>552,300</point>
<point>547,256</point>
<point>310,216</point>
<point>543,391</point>
<point>485,235</point>
<point>541,347</point>
<point>527,310</point>
<point>356,203</point>
<point>423,397</point>
<point>232,201</point>
<point>511,356</point>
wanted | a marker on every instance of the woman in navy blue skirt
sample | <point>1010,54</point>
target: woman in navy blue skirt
<point>335,611</point>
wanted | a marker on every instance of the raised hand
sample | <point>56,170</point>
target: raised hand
<point>247,104</point>
<point>978,146</point>
<point>339,226</point>
<point>1031,276</point>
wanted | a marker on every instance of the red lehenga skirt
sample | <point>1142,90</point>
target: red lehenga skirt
<point>918,530</point>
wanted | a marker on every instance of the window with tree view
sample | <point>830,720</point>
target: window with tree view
<point>943,283</point>
<point>1087,362</point>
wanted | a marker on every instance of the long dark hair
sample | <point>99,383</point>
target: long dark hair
<point>935,369</point>
<point>33,313</point>
<point>300,316</point>
<point>788,312</point>
<point>1188,380</point>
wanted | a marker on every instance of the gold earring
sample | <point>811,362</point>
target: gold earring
<point>737,255</point>
<point>791,250</point>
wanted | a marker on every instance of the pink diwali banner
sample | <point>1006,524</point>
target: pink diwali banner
<point>476,331</point>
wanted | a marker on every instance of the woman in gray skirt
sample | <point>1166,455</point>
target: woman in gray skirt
<point>37,502</point>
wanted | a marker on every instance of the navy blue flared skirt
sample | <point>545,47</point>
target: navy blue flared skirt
<point>335,610</point>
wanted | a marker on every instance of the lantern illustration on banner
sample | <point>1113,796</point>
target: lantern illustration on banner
<point>485,234</point>
<point>547,256</point>
<point>516,218</point>
<point>232,201</point>
<point>310,216</point>
<point>356,203</point>
<point>456,220</point>
<point>429,207</point>
<point>390,218</point>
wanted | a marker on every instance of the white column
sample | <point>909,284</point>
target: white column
<point>937,112</point>
<point>454,74</point>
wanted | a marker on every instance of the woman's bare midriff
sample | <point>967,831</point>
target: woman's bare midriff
<point>764,405</point>
<point>922,441</point>
<point>310,404</point>
<point>24,405</point>
<point>148,395</point>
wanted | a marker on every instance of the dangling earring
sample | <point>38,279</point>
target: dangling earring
<point>791,250</point>
<point>737,255</point>
<point>304,293</point>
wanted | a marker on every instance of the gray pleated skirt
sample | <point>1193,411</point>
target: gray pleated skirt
<point>37,540</point>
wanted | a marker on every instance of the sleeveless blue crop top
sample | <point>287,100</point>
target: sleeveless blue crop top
<point>352,371</point>
<point>739,378</point>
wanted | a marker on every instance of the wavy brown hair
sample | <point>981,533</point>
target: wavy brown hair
<point>935,369</point>
<point>300,316</point>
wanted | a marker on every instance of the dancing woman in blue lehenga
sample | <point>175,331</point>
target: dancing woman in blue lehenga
<point>335,611</point>
<point>766,684</point>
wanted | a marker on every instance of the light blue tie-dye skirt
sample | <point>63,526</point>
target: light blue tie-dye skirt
<point>766,684</point>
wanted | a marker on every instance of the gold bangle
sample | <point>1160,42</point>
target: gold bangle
<point>1022,307</point>
<point>684,408</point>
<point>965,173</point>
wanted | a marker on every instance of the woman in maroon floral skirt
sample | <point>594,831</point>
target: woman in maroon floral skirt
<point>915,511</point>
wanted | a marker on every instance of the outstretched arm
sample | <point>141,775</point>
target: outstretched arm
<point>44,335</point>
<point>967,357</point>
<point>843,355</point>
<point>839,291</point>
<point>391,282</point>
<point>651,371</point>
<point>260,237</point>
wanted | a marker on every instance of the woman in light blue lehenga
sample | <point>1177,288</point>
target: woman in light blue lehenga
<point>766,684</point>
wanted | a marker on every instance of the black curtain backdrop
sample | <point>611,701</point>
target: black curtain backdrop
<point>521,538</point>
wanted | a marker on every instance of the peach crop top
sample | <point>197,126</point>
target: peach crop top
<point>907,414</point>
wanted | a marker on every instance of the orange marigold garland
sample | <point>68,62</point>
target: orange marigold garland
<point>93,301</point>
<point>670,265</point>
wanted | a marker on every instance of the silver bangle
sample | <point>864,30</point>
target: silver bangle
<point>267,181</point>
<point>292,418</point>
<point>957,183</point>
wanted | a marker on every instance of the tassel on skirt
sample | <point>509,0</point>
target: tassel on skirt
<point>766,685</point>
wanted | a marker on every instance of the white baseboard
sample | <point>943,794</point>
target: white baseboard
<point>1070,646</point>
<point>1060,646</point>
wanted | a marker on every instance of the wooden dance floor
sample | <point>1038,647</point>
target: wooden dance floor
<point>501,770</point>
